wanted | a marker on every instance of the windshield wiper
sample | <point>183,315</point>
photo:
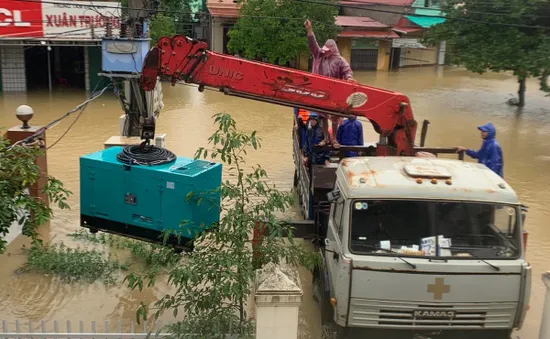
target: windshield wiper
<point>473,255</point>
<point>390,251</point>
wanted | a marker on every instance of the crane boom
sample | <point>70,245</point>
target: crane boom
<point>182,58</point>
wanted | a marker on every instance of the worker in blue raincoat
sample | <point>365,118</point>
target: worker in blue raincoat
<point>350,133</point>
<point>490,153</point>
<point>314,137</point>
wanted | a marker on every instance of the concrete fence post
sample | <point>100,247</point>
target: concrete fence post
<point>278,294</point>
<point>20,132</point>
<point>545,322</point>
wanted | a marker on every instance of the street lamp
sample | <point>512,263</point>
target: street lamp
<point>24,113</point>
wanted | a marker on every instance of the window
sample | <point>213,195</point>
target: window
<point>444,229</point>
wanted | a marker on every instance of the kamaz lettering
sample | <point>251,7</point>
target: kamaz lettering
<point>227,73</point>
<point>434,314</point>
<point>304,92</point>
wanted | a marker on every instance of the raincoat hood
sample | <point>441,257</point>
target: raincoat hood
<point>490,129</point>
<point>330,49</point>
<point>327,60</point>
<point>490,153</point>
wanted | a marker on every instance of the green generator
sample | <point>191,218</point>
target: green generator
<point>145,201</point>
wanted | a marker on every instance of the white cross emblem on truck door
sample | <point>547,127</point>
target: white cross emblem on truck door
<point>439,288</point>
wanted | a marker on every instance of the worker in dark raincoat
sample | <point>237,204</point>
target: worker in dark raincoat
<point>314,137</point>
<point>327,61</point>
<point>350,133</point>
<point>490,153</point>
<point>300,125</point>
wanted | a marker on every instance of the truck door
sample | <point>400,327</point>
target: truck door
<point>337,265</point>
<point>334,243</point>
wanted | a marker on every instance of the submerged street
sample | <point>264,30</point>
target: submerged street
<point>453,100</point>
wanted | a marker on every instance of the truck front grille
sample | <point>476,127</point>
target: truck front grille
<point>396,314</point>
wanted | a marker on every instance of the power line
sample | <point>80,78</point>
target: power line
<point>367,4</point>
<point>425,15</point>
<point>93,6</point>
<point>102,6</point>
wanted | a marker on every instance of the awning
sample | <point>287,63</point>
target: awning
<point>407,43</point>
<point>232,13</point>
<point>424,21</point>
<point>368,34</point>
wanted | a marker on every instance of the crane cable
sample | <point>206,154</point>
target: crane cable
<point>149,156</point>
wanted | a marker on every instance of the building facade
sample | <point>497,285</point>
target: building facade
<point>54,43</point>
<point>409,20</point>
<point>378,35</point>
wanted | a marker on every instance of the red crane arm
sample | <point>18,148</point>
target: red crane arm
<point>182,58</point>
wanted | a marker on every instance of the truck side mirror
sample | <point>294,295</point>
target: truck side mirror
<point>333,196</point>
<point>524,210</point>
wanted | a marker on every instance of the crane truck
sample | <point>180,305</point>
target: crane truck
<point>423,247</point>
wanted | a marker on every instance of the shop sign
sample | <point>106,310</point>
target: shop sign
<point>58,19</point>
<point>20,19</point>
<point>75,19</point>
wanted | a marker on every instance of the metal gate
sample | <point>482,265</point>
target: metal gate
<point>86,330</point>
<point>364,59</point>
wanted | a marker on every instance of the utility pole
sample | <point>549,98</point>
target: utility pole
<point>123,58</point>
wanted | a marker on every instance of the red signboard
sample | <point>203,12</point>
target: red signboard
<point>20,19</point>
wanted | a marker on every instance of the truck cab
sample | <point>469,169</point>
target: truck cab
<point>422,248</point>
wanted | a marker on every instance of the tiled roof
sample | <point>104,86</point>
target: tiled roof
<point>379,2</point>
<point>368,34</point>
<point>358,21</point>
<point>223,8</point>
<point>224,12</point>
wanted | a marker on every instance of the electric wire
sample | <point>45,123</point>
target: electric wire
<point>326,3</point>
<point>512,14</point>
<point>58,120</point>
<point>68,128</point>
<point>334,4</point>
<point>74,121</point>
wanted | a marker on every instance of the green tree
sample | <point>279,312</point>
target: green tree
<point>18,172</point>
<point>275,29</point>
<point>214,281</point>
<point>161,25</point>
<point>496,42</point>
<point>179,11</point>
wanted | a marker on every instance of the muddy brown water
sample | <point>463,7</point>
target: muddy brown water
<point>455,102</point>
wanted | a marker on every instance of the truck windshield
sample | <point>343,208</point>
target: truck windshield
<point>435,229</point>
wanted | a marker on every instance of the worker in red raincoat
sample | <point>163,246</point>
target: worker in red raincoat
<point>327,61</point>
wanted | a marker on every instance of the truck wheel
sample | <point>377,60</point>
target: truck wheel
<point>327,312</point>
<point>93,230</point>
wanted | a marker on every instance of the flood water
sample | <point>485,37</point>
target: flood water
<point>455,102</point>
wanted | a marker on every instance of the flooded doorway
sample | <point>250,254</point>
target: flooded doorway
<point>36,67</point>
<point>66,67</point>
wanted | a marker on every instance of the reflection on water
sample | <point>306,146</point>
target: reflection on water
<point>453,100</point>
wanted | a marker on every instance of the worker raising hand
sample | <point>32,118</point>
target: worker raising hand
<point>307,25</point>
